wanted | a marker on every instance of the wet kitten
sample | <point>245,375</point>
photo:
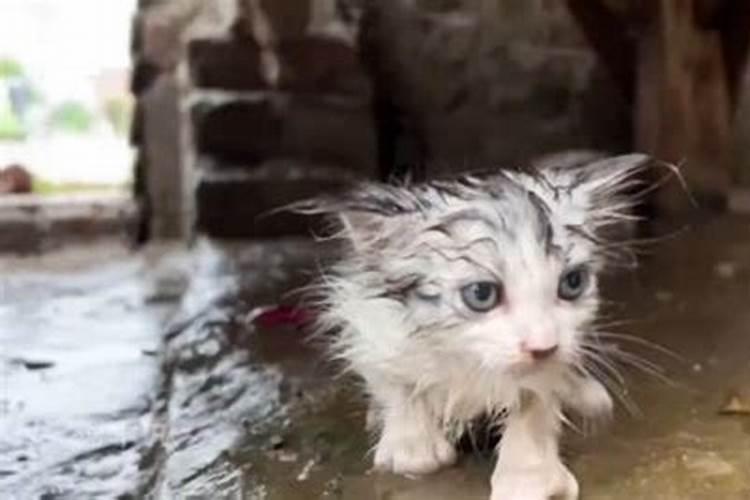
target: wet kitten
<point>477,296</point>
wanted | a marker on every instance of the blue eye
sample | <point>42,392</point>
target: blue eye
<point>573,283</point>
<point>482,296</point>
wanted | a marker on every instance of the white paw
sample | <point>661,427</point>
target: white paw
<point>411,451</point>
<point>554,482</point>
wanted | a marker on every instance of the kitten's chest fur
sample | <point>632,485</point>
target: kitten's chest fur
<point>462,396</point>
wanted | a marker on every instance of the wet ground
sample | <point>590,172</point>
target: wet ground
<point>79,343</point>
<point>110,388</point>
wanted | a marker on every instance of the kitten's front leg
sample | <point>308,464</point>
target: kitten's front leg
<point>411,440</point>
<point>528,465</point>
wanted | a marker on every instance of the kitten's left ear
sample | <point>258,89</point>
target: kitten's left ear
<point>606,186</point>
<point>608,177</point>
<point>599,196</point>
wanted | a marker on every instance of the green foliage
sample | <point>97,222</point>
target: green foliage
<point>72,116</point>
<point>119,111</point>
<point>45,187</point>
<point>11,128</point>
<point>10,68</point>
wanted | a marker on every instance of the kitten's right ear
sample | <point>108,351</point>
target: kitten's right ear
<point>361,229</point>
<point>365,217</point>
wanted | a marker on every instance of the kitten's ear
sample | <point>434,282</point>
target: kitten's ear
<point>361,229</point>
<point>607,181</point>
<point>610,175</point>
<point>367,216</point>
<point>604,192</point>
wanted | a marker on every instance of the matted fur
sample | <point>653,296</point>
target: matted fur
<point>394,302</point>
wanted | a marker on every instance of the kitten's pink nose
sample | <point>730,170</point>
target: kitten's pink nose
<point>539,354</point>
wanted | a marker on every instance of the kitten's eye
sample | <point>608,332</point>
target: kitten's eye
<point>573,283</point>
<point>482,295</point>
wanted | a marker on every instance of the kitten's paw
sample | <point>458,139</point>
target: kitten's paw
<point>413,452</point>
<point>555,482</point>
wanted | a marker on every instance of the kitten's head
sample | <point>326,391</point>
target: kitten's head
<point>495,272</point>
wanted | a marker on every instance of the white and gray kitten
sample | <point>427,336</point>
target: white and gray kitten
<point>472,297</point>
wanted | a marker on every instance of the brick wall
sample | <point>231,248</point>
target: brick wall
<point>245,105</point>
<point>494,82</point>
<point>273,106</point>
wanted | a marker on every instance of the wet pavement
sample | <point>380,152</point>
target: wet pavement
<point>79,344</point>
<point>109,388</point>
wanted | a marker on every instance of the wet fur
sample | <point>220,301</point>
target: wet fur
<point>429,365</point>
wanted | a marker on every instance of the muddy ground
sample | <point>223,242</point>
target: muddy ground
<point>115,384</point>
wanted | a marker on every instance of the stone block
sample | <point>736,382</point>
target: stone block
<point>319,64</point>
<point>225,64</point>
<point>163,158</point>
<point>20,234</point>
<point>318,130</point>
<point>339,132</point>
<point>32,224</point>
<point>278,19</point>
<point>238,132</point>
<point>311,64</point>
<point>243,208</point>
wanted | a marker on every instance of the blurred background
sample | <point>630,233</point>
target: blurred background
<point>148,343</point>
<point>66,103</point>
<point>172,114</point>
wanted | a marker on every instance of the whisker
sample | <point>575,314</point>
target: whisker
<point>645,366</point>
<point>613,387</point>
<point>566,421</point>
<point>614,352</point>
<point>606,372</point>
<point>643,342</point>
<point>597,356</point>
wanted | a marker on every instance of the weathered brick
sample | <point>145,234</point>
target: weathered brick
<point>31,224</point>
<point>20,234</point>
<point>287,18</point>
<point>312,64</point>
<point>319,64</point>
<point>225,64</point>
<point>238,132</point>
<point>324,130</point>
<point>163,158</point>
<point>74,228</point>
<point>240,208</point>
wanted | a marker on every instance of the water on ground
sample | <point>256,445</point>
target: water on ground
<point>109,388</point>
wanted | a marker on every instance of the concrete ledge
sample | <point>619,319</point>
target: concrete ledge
<point>33,224</point>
